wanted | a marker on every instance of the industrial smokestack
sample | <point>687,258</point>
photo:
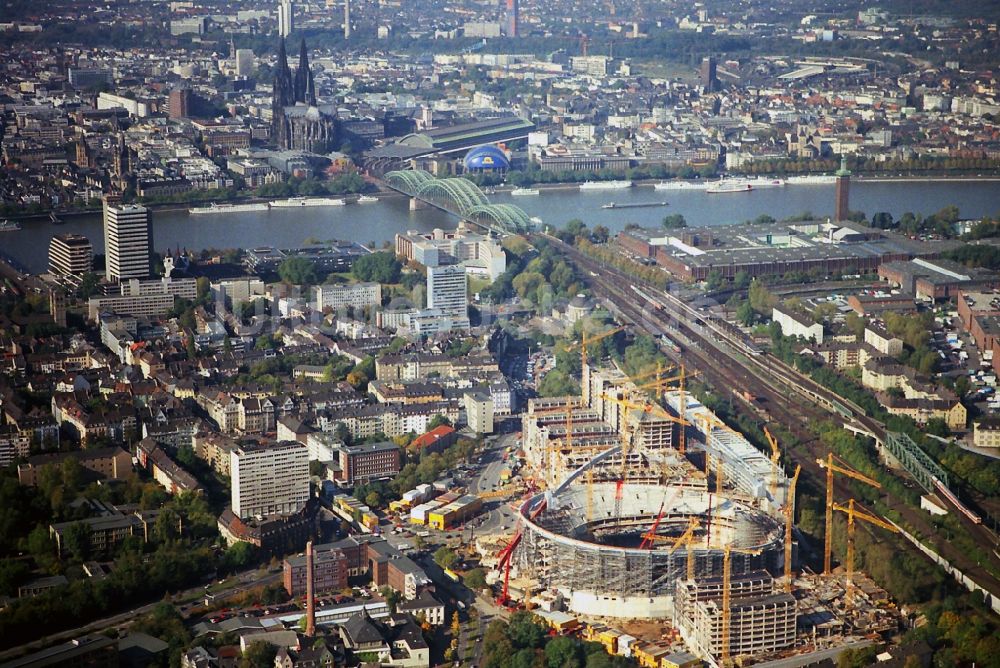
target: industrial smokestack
<point>347,19</point>
<point>310,594</point>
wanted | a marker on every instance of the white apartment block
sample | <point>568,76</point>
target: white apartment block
<point>882,341</point>
<point>794,325</point>
<point>269,479</point>
<point>355,295</point>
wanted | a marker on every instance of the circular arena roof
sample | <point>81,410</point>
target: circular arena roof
<point>486,158</point>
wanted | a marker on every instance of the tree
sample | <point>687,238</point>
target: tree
<point>76,541</point>
<point>557,383</point>
<point>674,221</point>
<point>382,267</point>
<point>297,271</point>
<point>601,234</point>
<point>392,598</point>
<point>562,652</point>
<point>259,654</point>
<point>437,421</point>
<point>475,579</point>
<point>445,557</point>
<point>456,625</point>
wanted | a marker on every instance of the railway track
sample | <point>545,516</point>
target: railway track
<point>796,402</point>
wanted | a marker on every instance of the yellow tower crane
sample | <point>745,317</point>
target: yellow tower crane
<point>789,516</point>
<point>727,599</point>
<point>843,468</point>
<point>852,515</point>
<point>775,456</point>
<point>687,539</point>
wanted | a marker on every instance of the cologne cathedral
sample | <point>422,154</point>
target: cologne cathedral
<point>297,122</point>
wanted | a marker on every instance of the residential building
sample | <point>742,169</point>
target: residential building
<point>794,324</point>
<point>354,295</point>
<point>368,461</point>
<point>447,291</point>
<point>128,241</point>
<point>70,257</point>
<point>986,432</point>
<point>921,411</point>
<point>269,479</point>
<point>13,444</point>
<point>165,470</point>
<point>479,412</point>
<point>101,463</point>
<point>106,532</point>
<point>884,342</point>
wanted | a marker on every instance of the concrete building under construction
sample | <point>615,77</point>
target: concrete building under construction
<point>761,619</point>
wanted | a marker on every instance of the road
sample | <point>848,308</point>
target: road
<point>125,619</point>
<point>501,515</point>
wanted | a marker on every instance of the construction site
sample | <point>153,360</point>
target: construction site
<point>653,509</point>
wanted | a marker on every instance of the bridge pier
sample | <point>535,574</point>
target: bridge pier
<point>417,204</point>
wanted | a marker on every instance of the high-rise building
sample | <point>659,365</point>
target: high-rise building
<point>128,241</point>
<point>70,257</point>
<point>447,290</point>
<point>244,62</point>
<point>842,208</point>
<point>179,102</point>
<point>512,18</point>
<point>286,18</point>
<point>269,479</point>
<point>709,73</point>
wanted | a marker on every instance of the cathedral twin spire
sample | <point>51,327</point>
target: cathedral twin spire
<point>288,90</point>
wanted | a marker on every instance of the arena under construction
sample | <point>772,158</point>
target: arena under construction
<point>599,562</point>
<point>639,506</point>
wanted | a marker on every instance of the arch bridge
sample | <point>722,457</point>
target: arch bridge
<point>459,196</point>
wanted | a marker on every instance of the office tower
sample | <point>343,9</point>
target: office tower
<point>709,73</point>
<point>347,19</point>
<point>447,291</point>
<point>269,479</point>
<point>842,208</point>
<point>180,103</point>
<point>244,62</point>
<point>286,17</point>
<point>128,241</point>
<point>512,18</point>
<point>70,257</point>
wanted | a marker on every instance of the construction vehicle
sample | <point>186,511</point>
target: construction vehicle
<point>843,468</point>
<point>507,554</point>
<point>789,517</point>
<point>852,515</point>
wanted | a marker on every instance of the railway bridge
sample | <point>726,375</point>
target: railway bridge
<point>460,197</point>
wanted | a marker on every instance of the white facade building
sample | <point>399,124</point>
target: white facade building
<point>794,325</point>
<point>269,479</point>
<point>447,290</point>
<point>356,295</point>
<point>128,240</point>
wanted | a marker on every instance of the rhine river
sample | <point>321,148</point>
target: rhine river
<point>379,222</point>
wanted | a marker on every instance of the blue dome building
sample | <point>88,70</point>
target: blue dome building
<point>486,159</point>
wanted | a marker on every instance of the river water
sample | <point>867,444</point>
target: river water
<point>379,222</point>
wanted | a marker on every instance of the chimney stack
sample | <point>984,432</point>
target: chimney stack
<point>310,594</point>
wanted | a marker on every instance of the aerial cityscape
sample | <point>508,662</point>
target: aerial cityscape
<point>507,334</point>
